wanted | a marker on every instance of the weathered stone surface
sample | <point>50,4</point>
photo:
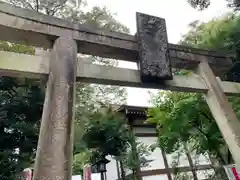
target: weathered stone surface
<point>37,67</point>
<point>154,61</point>
<point>54,153</point>
<point>24,26</point>
<point>221,110</point>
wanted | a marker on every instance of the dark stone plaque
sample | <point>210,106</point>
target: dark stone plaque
<point>154,61</point>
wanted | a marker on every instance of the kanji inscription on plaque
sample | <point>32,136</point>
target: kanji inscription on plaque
<point>154,61</point>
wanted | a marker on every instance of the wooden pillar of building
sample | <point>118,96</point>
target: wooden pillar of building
<point>55,145</point>
<point>135,153</point>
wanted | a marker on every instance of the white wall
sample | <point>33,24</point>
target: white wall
<point>156,177</point>
<point>156,155</point>
<point>111,169</point>
<point>94,176</point>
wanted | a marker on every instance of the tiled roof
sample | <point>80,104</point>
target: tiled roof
<point>133,110</point>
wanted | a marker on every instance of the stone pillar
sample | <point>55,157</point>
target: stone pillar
<point>222,110</point>
<point>55,144</point>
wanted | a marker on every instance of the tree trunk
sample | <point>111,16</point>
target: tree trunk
<point>134,174</point>
<point>190,163</point>
<point>55,145</point>
<point>220,157</point>
<point>137,170</point>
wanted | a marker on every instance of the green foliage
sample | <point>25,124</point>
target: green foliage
<point>182,118</point>
<point>79,161</point>
<point>142,152</point>
<point>221,34</point>
<point>183,176</point>
<point>20,107</point>
<point>203,4</point>
<point>6,46</point>
<point>106,132</point>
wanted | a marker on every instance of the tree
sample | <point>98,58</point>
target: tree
<point>203,4</point>
<point>106,132</point>
<point>184,118</point>
<point>221,34</point>
<point>80,159</point>
<point>21,106</point>
<point>88,96</point>
<point>133,158</point>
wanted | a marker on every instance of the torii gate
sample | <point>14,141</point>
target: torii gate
<point>150,49</point>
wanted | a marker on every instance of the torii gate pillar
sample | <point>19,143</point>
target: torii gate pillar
<point>54,153</point>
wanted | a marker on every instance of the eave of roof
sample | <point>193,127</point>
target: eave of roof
<point>133,110</point>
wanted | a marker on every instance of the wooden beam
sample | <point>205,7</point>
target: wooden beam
<point>194,173</point>
<point>222,111</point>
<point>172,170</point>
<point>22,65</point>
<point>28,27</point>
<point>146,134</point>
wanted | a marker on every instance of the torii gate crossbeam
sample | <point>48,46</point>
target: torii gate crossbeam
<point>53,159</point>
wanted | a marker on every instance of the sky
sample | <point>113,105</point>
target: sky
<point>177,13</point>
